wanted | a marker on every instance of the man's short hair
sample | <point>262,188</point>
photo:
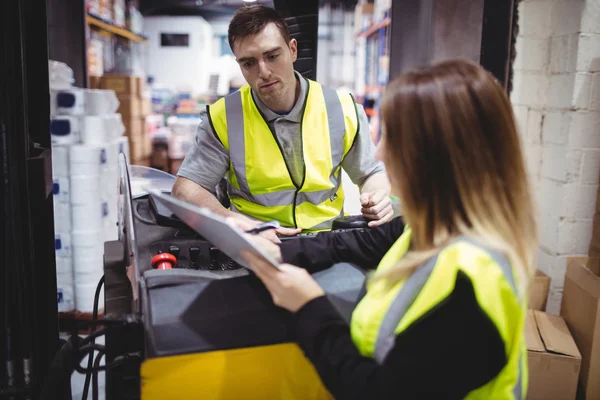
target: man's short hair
<point>250,20</point>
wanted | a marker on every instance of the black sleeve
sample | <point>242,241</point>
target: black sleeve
<point>449,352</point>
<point>364,248</point>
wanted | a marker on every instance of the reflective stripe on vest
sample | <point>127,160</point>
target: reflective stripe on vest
<point>328,116</point>
<point>410,290</point>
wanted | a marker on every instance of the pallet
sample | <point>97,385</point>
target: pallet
<point>67,321</point>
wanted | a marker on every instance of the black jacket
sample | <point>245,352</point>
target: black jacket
<point>452,350</point>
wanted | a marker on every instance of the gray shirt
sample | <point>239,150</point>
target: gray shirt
<point>207,161</point>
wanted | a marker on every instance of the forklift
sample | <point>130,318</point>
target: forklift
<point>206,328</point>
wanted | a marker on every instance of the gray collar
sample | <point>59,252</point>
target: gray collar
<point>295,115</point>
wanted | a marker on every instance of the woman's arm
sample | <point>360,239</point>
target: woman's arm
<point>363,248</point>
<point>451,351</point>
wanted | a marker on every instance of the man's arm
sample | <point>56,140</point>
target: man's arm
<point>204,166</point>
<point>369,174</point>
<point>375,199</point>
<point>188,190</point>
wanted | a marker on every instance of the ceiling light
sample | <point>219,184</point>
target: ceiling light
<point>249,1</point>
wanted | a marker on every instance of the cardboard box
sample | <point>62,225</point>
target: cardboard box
<point>130,106</point>
<point>121,84</point>
<point>175,165</point>
<point>146,107</point>
<point>594,249</point>
<point>136,149</point>
<point>581,310</point>
<point>540,287</point>
<point>134,126</point>
<point>144,162</point>
<point>553,358</point>
<point>140,147</point>
<point>141,86</point>
<point>363,16</point>
<point>147,143</point>
<point>95,82</point>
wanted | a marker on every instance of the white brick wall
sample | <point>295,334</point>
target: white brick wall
<point>556,99</point>
<point>556,127</point>
<point>582,90</point>
<point>588,55</point>
<point>536,58</point>
<point>535,123</point>
<point>563,53</point>
<point>590,17</point>
<point>594,85</point>
<point>590,170</point>
<point>537,14</point>
<point>532,89</point>
<point>585,129</point>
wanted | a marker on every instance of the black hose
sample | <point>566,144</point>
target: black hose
<point>95,376</point>
<point>86,386</point>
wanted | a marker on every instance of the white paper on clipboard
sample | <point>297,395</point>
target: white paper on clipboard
<point>219,231</point>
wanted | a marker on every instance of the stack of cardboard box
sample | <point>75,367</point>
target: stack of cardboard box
<point>363,16</point>
<point>564,351</point>
<point>134,108</point>
<point>581,309</point>
<point>554,360</point>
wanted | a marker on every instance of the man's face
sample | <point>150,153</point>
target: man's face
<point>266,61</point>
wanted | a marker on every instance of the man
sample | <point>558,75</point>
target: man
<point>281,141</point>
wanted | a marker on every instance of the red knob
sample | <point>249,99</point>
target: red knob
<point>164,261</point>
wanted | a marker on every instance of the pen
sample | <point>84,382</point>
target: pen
<point>265,226</point>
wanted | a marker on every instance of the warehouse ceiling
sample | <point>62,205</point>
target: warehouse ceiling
<point>210,8</point>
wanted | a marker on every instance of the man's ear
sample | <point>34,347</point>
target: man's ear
<point>294,49</point>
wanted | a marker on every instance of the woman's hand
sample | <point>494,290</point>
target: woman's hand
<point>290,287</point>
<point>268,246</point>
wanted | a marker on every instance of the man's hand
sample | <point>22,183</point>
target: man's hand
<point>283,231</point>
<point>376,206</point>
<point>246,224</point>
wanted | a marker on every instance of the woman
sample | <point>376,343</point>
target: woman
<point>444,313</point>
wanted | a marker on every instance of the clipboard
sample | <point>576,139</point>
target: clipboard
<point>222,233</point>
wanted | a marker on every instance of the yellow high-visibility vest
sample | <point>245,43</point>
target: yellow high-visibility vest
<point>387,311</point>
<point>259,182</point>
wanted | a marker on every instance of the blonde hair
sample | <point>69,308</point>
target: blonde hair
<point>452,145</point>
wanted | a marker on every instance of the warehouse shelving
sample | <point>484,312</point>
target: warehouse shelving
<point>108,27</point>
<point>375,39</point>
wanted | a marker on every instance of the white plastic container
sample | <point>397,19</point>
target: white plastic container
<point>60,190</point>
<point>65,294</point>
<point>84,297</point>
<point>64,129</point>
<point>87,159</point>
<point>86,189</point>
<point>94,130</point>
<point>88,217</point>
<point>62,245</point>
<point>64,267</point>
<point>62,217</point>
<point>114,125</point>
<point>100,102</point>
<point>60,160</point>
<point>69,101</point>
